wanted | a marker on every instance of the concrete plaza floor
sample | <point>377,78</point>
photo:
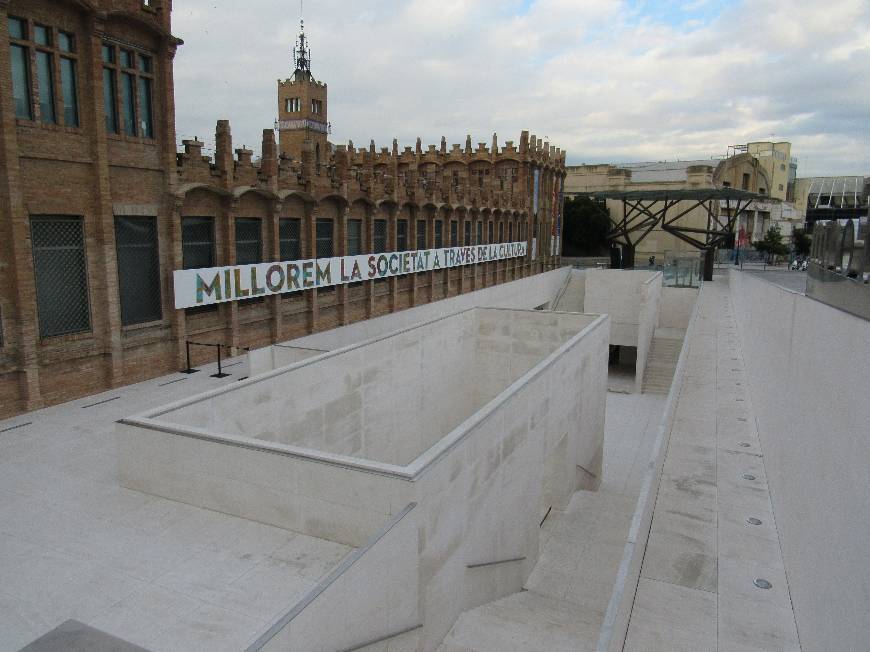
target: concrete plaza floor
<point>73,544</point>
<point>161,574</point>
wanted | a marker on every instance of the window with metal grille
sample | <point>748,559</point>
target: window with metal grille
<point>480,233</point>
<point>324,238</point>
<point>454,233</point>
<point>467,240</point>
<point>402,235</point>
<point>439,234</point>
<point>138,269</point>
<point>249,246</point>
<point>489,233</point>
<point>197,242</point>
<point>61,275</point>
<point>501,231</point>
<point>289,232</point>
<point>353,246</point>
<point>421,234</point>
<point>379,241</point>
<point>249,241</point>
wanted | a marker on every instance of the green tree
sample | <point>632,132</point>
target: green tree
<point>802,242</point>
<point>587,224</point>
<point>772,245</point>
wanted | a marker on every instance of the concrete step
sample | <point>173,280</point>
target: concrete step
<point>661,364</point>
<point>520,622</point>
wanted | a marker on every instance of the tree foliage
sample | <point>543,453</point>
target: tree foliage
<point>802,242</point>
<point>772,245</point>
<point>587,224</point>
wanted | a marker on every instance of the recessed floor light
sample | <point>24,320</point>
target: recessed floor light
<point>753,521</point>
<point>748,476</point>
<point>762,583</point>
<point>744,444</point>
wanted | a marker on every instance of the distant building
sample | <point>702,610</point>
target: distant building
<point>833,198</point>
<point>779,166</point>
<point>760,167</point>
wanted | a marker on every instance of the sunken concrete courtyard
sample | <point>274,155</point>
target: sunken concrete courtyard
<point>478,473</point>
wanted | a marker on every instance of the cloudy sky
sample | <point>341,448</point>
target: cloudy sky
<point>607,80</point>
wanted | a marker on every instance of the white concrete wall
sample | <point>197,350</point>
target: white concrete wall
<point>264,484</point>
<point>648,321</point>
<point>390,399</point>
<point>373,593</point>
<point>617,292</point>
<point>271,357</point>
<point>524,293</point>
<point>486,497</point>
<point>387,400</point>
<point>808,370</point>
<point>677,307</point>
<point>632,299</point>
<point>481,490</point>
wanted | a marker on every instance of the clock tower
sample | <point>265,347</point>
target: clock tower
<point>302,108</point>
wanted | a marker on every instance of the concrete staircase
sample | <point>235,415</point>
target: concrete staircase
<point>661,363</point>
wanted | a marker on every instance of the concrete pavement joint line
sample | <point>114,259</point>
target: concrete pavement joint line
<point>494,563</point>
<point>108,400</point>
<point>382,638</point>
<point>177,380</point>
<point>20,425</point>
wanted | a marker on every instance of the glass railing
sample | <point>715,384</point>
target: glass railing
<point>682,270</point>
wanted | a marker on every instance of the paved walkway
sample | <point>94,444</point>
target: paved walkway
<point>713,531</point>
<point>161,574</point>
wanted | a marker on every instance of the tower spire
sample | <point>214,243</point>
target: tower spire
<point>301,51</point>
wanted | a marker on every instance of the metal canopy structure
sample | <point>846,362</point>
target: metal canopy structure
<point>644,210</point>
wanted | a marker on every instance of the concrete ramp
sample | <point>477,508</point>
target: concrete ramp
<point>573,296</point>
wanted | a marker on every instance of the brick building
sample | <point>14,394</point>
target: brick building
<point>97,209</point>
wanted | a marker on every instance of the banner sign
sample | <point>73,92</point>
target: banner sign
<point>202,287</point>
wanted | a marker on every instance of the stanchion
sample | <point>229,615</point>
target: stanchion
<point>189,370</point>
<point>220,372</point>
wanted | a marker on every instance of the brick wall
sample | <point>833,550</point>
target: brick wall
<point>95,175</point>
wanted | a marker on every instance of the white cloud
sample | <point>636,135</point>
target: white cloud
<point>604,79</point>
